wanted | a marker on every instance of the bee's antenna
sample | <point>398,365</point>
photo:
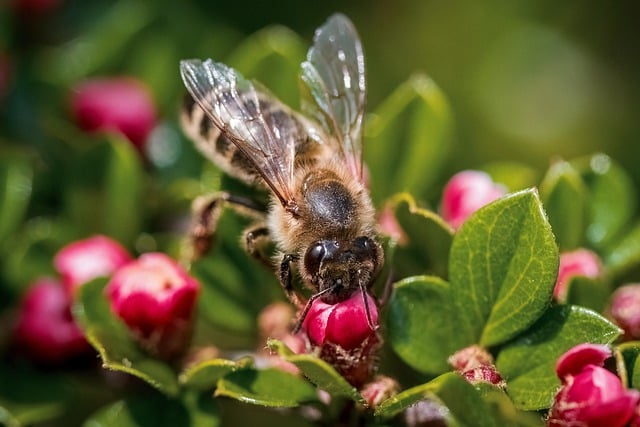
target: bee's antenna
<point>363,291</point>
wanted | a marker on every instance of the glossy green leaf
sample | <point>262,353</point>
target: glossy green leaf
<point>272,56</point>
<point>624,255</point>
<point>463,401</point>
<point>564,196</point>
<point>268,387</point>
<point>110,336</point>
<point>612,199</point>
<point>193,410</point>
<point>503,266</point>
<point>421,325</point>
<point>16,179</point>
<point>528,363</point>
<point>408,138</point>
<point>627,365</point>
<point>107,197</point>
<point>205,374</point>
<point>319,372</point>
<point>424,248</point>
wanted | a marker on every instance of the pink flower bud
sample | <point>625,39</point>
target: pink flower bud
<point>379,390</point>
<point>84,260</point>
<point>114,104</point>
<point>156,298</point>
<point>590,395</point>
<point>581,356</point>
<point>388,224</point>
<point>45,329</point>
<point>465,193</point>
<point>581,262</point>
<point>625,310</point>
<point>475,364</point>
<point>344,323</point>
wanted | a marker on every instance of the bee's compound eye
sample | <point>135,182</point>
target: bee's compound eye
<point>314,256</point>
<point>363,243</point>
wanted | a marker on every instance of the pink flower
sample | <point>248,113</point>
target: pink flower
<point>465,193</point>
<point>389,225</point>
<point>590,395</point>
<point>114,104</point>
<point>581,262</point>
<point>84,260</point>
<point>156,298</point>
<point>45,329</point>
<point>344,323</point>
<point>625,310</point>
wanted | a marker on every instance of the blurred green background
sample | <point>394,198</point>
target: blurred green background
<point>527,80</point>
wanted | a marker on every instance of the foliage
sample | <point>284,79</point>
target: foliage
<point>489,283</point>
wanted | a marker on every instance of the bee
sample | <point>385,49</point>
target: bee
<point>320,216</point>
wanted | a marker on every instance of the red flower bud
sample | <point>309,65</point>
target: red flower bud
<point>590,395</point>
<point>156,298</point>
<point>114,104</point>
<point>465,193</point>
<point>625,310</point>
<point>84,260</point>
<point>581,262</point>
<point>45,329</point>
<point>344,323</point>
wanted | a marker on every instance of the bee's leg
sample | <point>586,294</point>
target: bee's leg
<point>286,280</point>
<point>255,239</point>
<point>206,211</point>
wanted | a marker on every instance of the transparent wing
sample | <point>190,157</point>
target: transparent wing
<point>250,118</point>
<point>334,72</point>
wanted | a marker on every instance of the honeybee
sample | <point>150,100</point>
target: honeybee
<point>320,217</point>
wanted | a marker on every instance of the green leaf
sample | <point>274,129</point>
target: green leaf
<point>528,363</point>
<point>268,387</point>
<point>205,374</point>
<point>111,337</point>
<point>503,266</point>
<point>16,179</point>
<point>564,197</point>
<point>464,402</point>
<point>613,198</point>
<point>421,325</point>
<point>193,410</point>
<point>320,373</point>
<point>105,190</point>
<point>590,293</point>
<point>408,138</point>
<point>624,255</point>
<point>272,56</point>
<point>428,239</point>
<point>627,364</point>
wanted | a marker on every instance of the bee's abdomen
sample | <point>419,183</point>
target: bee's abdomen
<point>213,145</point>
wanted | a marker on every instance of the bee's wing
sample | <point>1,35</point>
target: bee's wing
<point>334,72</point>
<point>242,113</point>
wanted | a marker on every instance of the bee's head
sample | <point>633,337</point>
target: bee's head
<point>342,266</point>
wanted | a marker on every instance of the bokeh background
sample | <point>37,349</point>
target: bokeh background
<point>527,80</point>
